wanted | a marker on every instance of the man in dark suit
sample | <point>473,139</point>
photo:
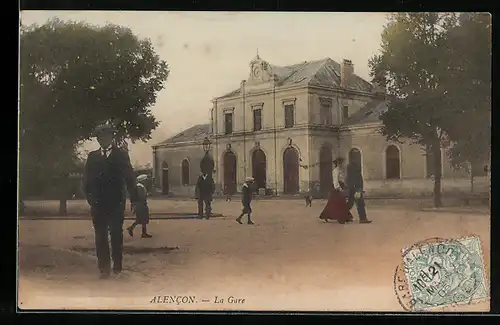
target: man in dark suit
<point>355,191</point>
<point>205,188</point>
<point>107,171</point>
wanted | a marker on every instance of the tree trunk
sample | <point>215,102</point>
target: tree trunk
<point>63,207</point>
<point>63,196</point>
<point>471,180</point>
<point>436,153</point>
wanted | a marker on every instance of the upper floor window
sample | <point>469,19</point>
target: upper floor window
<point>326,114</point>
<point>228,123</point>
<point>257,119</point>
<point>289,116</point>
<point>345,112</point>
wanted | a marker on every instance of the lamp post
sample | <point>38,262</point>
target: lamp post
<point>207,163</point>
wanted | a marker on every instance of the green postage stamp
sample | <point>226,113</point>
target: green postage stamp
<point>445,273</point>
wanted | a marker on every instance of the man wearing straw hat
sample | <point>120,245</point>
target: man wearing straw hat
<point>141,209</point>
<point>106,171</point>
<point>247,191</point>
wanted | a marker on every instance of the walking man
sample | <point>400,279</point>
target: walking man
<point>106,171</point>
<point>355,191</point>
<point>205,188</point>
<point>247,192</point>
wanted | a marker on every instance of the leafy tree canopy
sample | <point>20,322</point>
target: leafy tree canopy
<point>87,74</point>
<point>74,76</point>
<point>436,68</point>
<point>467,85</point>
<point>409,67</point>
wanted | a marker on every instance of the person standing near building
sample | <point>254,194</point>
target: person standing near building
<point>205,188</point>
<point>141,209</point>
<point>247,194</point>
<point>355,190</point>
<point>107,169</point>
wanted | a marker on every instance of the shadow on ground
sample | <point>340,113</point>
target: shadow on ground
<point>130,250</point>
<point>77,260</point>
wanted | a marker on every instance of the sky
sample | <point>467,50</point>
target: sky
<point>209,53</point>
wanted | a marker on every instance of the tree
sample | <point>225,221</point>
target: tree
<point>409,67</point>
<point>466,80</point>
<point>73,76</point>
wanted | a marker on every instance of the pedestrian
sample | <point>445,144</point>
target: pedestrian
<point>336,206</point>
<point>108,174</point>
<point>141,209</point>
<point>227,192</point>
<point>205,188</point>
<point>247,194</point>
<point>355,190</point>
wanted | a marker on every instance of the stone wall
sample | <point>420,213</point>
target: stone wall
<point>173,156</point>
<point>424,187</point>
<point>274,158</point>
<point>373,145</point>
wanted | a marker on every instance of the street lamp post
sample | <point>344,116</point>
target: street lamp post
<point>207,163</point>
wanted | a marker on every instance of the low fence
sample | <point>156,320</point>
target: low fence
<point>73,188</point>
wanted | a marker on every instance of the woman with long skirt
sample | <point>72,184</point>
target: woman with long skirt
<point>336,207</point>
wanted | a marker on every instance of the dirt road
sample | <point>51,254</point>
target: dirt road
<point>289,260</point>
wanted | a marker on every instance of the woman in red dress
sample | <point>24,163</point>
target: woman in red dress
<point>336,207</point>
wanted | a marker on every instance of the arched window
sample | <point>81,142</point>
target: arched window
<point>392,164</point>
<point>291,171</point>
<point>230,169</point>
<point>185,172</point>
<point>355,158</point>
<point>165,184</point>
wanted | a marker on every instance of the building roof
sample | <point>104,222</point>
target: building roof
<point>369,113</point>
<point>325,72</point>
<point>194,133</point>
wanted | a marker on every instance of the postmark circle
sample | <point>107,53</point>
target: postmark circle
<point>401,286</point>
<point>438,273</point>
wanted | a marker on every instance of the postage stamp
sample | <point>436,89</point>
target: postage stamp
<point>437,273</point>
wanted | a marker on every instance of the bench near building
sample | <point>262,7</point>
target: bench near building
<point>285,124</point>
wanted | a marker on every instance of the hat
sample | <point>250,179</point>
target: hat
<point>104,128</point>
<point>249,179</point>
<point>339,160</point>
<point>142,177</point>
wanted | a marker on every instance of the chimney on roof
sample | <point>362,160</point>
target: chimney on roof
<point>346,73</point>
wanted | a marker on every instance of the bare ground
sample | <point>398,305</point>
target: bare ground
<point>289,260</point>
